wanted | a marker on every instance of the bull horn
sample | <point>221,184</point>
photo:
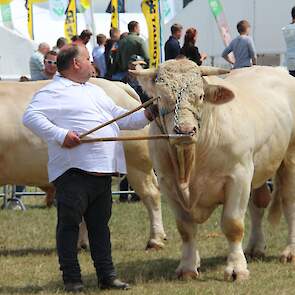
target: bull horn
<point>212,71</point>
<point>140,72</point>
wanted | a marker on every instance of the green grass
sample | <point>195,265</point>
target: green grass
<point>28,261</point>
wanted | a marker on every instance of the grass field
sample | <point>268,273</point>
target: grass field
<point>28,262</point>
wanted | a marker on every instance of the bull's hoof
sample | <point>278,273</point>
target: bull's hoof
<point>154,245</point>
<point>232,275</point>
<point>288,256</point>
<point>287,259</point>
<point>255,254</point>
<point>187,275</point>
<point>82,246</point>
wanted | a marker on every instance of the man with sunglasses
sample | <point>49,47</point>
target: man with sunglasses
<point>49,67</point>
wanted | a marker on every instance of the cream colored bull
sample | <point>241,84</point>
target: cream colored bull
<point>23,156</point>
<point>242,133</point>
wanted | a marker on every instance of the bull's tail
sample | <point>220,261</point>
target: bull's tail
<point>275,210</point>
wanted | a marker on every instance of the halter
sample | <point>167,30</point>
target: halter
<point>179,98</point>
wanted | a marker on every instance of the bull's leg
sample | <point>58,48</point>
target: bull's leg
<point>256,244</point>
<point>285,182</point>
<point>145,185</point>
<point>83,242</point>
<point>190,260</point>
<point>237,192</point>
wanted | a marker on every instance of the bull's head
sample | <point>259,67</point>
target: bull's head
<point>182,91</point>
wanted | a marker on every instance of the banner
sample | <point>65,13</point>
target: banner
<point>150,9</point>
<point>6,15</point>
<point>168,10</point>
<point>186,2</point>
<point>115,14</point>
<point>57,8</point>
<point>29,5</point>
<point>70,28</point>
<point>219,15</point>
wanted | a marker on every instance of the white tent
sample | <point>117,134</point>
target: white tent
<point>15,52</point>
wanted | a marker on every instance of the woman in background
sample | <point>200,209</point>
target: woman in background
<point>190,50</point>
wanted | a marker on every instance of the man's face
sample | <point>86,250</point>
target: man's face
<point>83,65</point>
<point>86,40</point>
<point>178,34</point>
<point>116,36</point>
<point>137,29</point>
<point>50,64</point>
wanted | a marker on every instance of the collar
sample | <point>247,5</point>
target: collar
<point>67,82</point>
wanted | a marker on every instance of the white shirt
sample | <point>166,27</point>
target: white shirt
<point>64,105</point>
<point>289,35</point>
<point>99,59</point>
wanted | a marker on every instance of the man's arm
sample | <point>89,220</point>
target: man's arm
<point>226,52</point>
<point>252,51</point>
<point>38,116</point>
<point>144,51</point>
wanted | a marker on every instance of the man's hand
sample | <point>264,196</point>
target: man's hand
<point>72,139</point>
<point>151,112</point>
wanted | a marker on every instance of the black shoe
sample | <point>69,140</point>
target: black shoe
<point>74,287</point>
<point>113,283</point>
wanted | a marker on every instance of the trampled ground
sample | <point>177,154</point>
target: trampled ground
<point>28,262</point>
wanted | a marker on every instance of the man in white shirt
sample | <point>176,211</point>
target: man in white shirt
<point>81,173</point>
<point>98,55</point>
<point>36,61</point>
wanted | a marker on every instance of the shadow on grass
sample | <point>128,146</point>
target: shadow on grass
<point>27,251</point>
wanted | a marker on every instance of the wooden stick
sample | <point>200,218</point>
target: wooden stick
<point>147,103</point>
<point>129,138</point>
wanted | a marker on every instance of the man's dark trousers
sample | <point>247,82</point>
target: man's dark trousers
<point>78,195</point>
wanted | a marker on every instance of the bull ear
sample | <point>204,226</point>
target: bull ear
<point>217,94</point>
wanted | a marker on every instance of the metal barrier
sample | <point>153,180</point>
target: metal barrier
<point>11,196</point>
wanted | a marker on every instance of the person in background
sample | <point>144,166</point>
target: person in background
<point>50,65</point>
<point>85,36</point>
<point>289,35</point>
<point>189,49</point>
<point>172,46</point>
<point>62,41</point>
<point>242,47</point>
<point>98,55</point>
<point>133,44</point>
<point>111,49</point>
<point>36,61</point>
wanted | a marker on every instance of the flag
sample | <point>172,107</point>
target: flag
<point>186,2</point>
<point>121,6</point>
<point>70,27</point>
<point>115,14</point>
<point>150,9</point>
<point>168,10</point>
<point>6,15</point>
<point>57,8</point>
<point>219,15</point>
<point>29,6</point>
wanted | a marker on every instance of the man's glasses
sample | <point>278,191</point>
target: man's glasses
<point>51,62</point>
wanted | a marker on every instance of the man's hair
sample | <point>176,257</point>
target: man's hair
<point>51,52</point>
<point>132,25</point>
<point>85,33</point>
<point>176,28</point>
<point>293,12</point>
<point>61,42</point>
<point>242,26</point>
<point>100,39</point>
<point>113,31</point>
<point>74,38</point>
<point>66,56</point>
<point>43,45</point>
